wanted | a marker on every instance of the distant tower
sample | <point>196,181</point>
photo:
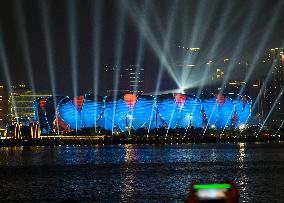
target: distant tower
<point>273,89</point>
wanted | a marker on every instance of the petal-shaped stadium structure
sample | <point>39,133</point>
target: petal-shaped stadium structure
<point>92,109</point>
<point>116,112</point>
<point>132,111</point>
<point>144,113</point>
<point>190,114</point>
<point>167,110</point>
<point>69,113</point>
<point>39,108</point>
<point>225,111</point>
<point>243,105</point>
<point>209,110</point>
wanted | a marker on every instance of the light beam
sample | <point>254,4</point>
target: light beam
<point>21,23</point>
<point>5,66</point>
<point>96,29</point>
<point>72,21</point>
<point>48,41</point>
<point>120,28</point>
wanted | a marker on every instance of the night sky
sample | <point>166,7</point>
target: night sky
<point>188,17</point>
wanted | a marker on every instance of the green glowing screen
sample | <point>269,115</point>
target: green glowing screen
<point>211,186</point>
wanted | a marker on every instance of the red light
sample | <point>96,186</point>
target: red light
<point>42,103</point>
<point>180,99</point>
<point>130,100</point>
<point>78,102</point>
<point>244,101</point>
<point>61,123</point>
<point>220,100</point>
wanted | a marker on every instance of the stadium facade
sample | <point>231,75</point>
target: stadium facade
<point>132,111</point>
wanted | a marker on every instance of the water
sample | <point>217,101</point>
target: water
<point>138,173</point>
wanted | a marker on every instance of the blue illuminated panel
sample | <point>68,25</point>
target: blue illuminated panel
<point>39,107</point>
<point>36,108</point>
<point>225,112</point>
<point>120,110</point>
<point>148,112</point>
<point>190,115</point>
<point>50,105</point>
<point>69,114</point>
<point>167,109</point>
<point>243,109</point>
<point>210,107</point>
<point>144,113</point>
<point>91,111</point>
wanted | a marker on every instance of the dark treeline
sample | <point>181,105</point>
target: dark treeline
<point>94,136</point>
<point>162,132</point>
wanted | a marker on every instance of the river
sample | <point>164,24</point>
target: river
<point>138,173</point>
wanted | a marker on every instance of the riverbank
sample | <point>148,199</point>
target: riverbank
<point>111,141</point>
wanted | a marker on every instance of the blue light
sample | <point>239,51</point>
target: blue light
<point>121,111</point>
<point>210,107</point>
<point>91,111</point>
<point>167,109</point>
<point>142,113</point>
<point>69,114</point>
<point>148,112</point>
<point>243,110</point>
<point>225,112</point>
<point>40,115</point>
<point>191,113</point>
<point>50,111</point>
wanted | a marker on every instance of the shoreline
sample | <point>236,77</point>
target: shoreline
<point>65,142</point>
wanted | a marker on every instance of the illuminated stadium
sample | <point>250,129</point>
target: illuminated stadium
<point>131,111</point>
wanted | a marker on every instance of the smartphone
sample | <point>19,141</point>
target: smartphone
<point>212,192</point>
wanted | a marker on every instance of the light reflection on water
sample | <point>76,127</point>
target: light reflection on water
<point>242,178</point>
<point>138,172</point>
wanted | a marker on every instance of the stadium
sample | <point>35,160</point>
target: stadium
<point>132,111</point>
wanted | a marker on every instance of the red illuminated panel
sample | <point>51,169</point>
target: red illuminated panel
<point>220,100</point>
<point>180,99</point>
<point>130,100</point>
<point>42,103</point>
<point>61,123</point>
<point>78,102</point>
<point>234,116</point>
<point>244,101</point>
<point>203,114</point>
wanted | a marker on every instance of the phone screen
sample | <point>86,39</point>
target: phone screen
<point>211,191</point>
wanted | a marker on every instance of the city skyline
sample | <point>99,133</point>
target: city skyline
<point>96,27</point>
<point>141,100</point>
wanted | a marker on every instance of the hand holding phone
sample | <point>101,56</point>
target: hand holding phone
<point>210,192</point>
<point>217,192</point>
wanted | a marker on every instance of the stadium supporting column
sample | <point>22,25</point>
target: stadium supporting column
<point>35,130</point>
<point>17,131</point>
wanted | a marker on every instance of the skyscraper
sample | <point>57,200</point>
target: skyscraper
<point>20,104</point>
<point>274,89</point>
<point>130,79</point>
<point>2,114</point>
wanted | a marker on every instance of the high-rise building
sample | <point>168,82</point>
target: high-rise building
<point>20,104</point>
<point>2,114</point>
<point>219,74</point>
<point>130,79</point>
<point>186,59</point>
<point>229,69</point>
<point>274,110</point>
